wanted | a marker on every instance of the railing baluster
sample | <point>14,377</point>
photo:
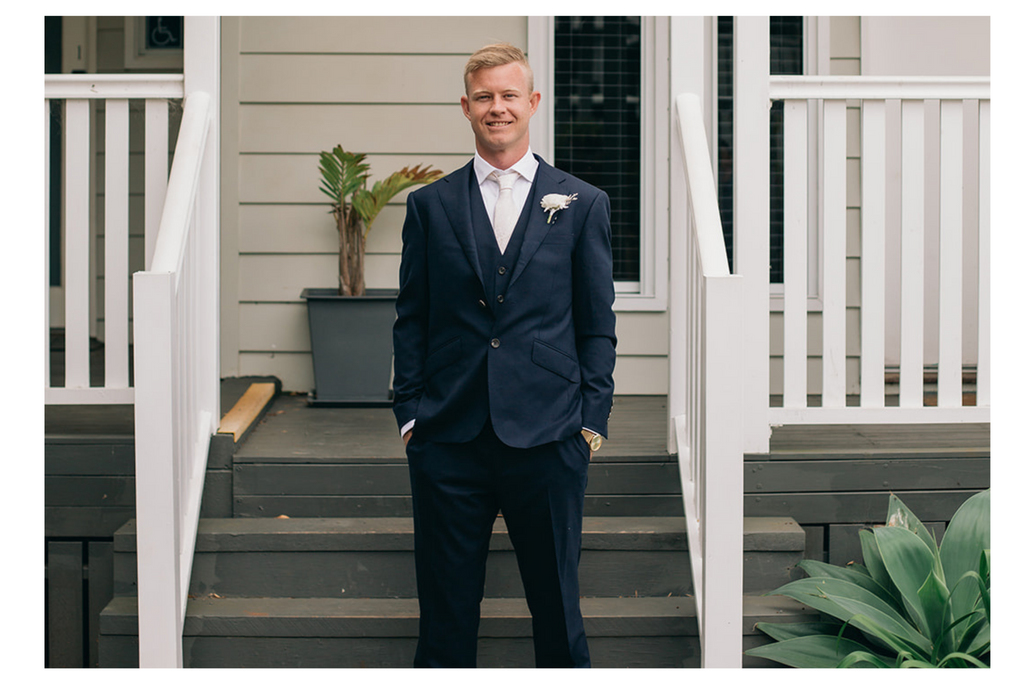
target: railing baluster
<point>951,191</point>
<point>156,171</point>
<point>115,240</point>
<point>46,240</point>
<point>795,258</point>
<point>833,392</point>
<point>872,255</point>
<point>984,259</point>
<point>912,257</point>
<point>76,285</point>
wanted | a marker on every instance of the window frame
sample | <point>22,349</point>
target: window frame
<point>650,293</point>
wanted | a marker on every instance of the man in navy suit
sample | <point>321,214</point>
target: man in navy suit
<point>504,349</point>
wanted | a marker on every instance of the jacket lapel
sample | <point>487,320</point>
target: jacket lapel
<point>455,198</point>
<point>547,180</point>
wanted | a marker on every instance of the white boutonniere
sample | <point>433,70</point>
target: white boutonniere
<point>554,202</point>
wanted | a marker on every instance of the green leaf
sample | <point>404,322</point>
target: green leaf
<point>967,537</point>
<point>808,651</point>
<point>858,657</point>
<point>964,657</point>
<point>934,599</point>
<point>862,579</point>
<point>844,600</point>
<point>909,562</point>
<point>790,630</point>
<point>873,562</point>
<point>901,516</point>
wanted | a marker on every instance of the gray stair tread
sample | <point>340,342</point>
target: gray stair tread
<point>368,435</point>
<point>383,534</point>
<point>333,617</point>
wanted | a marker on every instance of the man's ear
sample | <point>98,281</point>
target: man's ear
<point>465,106</point>
<point>534,101</point>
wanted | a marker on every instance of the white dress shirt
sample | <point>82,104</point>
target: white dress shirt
<point>527,169</point>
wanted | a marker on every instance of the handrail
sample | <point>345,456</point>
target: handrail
<point>706,324</point>
<point>707,221</point>
<point>181,188</point>
<point>879,87</point>
<point>175,413</point>
<point>106,86</point>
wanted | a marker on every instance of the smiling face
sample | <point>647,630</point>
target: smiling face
<point>499,104</point>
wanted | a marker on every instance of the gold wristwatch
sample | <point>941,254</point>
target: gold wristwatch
<point>593,439</point>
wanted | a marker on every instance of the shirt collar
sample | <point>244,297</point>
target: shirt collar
<point>527,166</point>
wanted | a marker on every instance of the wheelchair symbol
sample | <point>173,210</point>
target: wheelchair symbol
<point>160,35</point>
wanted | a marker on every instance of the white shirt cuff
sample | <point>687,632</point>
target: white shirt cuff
<point>408,426</point>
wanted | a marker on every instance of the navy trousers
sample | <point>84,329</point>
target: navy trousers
<point>457,491</point>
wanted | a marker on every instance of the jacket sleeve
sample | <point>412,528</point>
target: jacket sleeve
<point>593,318</point>
<point>410,330</point>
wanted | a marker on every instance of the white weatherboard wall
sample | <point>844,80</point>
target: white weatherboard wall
<point>387,86</point>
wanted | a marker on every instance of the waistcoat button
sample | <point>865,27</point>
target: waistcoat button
<point>495,343</point>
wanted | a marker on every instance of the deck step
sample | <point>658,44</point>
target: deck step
<point>331,632</point>
<point>373,557</point>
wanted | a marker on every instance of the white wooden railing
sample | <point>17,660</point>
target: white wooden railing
<point>177,392</point>
<point>705,395</point>
<point>81,261</point>
<point>963,104</point>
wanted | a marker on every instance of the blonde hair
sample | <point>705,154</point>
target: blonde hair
<point>497,54</point>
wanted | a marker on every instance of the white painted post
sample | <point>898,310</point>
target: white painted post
<point>46,242</point>
<point>687,76</point>
<point>951,193</point>
<point>751,190</point>
<point>156,171</point>
<point>115,241</point>
<point>912,258</point>
<point>794,394</point>
<point>76,286</point>
<point>157,484</point>
<point>872,255</point>
<point>984,259</point>
<point>833,392</point>
<point>722,524</point>
<point>202,73</point>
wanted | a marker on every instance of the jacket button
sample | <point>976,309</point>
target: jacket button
<point>501,270</point>
<point>482,303</point>
<point>495,343</point>
<point>501,298</point>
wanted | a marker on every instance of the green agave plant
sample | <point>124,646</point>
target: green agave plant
<point>912,604</point>
<point>343,178</point>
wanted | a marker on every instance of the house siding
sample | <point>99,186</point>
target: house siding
<point>295,86</point>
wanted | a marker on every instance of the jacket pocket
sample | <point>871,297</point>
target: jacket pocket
<point>556,361</point>
<point>442,357</point>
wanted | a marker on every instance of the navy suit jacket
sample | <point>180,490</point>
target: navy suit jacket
<point>538,361</point>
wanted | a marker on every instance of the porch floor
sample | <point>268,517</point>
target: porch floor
<point>291,430</point>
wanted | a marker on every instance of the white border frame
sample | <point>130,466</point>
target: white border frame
<point>651,292</point>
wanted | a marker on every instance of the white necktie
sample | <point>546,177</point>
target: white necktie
<point>504,209</point>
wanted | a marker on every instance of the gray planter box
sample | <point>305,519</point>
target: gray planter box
<point>350,339</point>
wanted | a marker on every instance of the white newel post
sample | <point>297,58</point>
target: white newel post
<point>688,75</point>
<point>750,228</point>
<point>202,73</point>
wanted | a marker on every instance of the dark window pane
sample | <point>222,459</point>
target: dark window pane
<point>597,120</point>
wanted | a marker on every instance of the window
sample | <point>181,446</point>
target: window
<point>787,51</point>
<point>597,128</point>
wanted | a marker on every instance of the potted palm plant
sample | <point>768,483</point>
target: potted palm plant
<point>350,326</point>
